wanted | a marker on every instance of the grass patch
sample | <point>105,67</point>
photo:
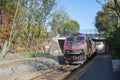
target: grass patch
<point>1,59</point>
<point>0,51</point>
<point>29,54</point>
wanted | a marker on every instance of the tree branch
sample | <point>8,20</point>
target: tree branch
<point>116,4</point>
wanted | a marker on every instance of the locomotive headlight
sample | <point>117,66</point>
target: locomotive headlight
<point>80,42</point>
<point>81,51</point>
<point>69,43</point>
<point>67,51</point>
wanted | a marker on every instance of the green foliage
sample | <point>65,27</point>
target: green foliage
<point>107,19</point>
<point>114,44</point>
<point>30,22</point>
<point>61,24</point>
<point>107,24</point>
<point>71,27</point>
<point>98,43</point>
<point>58,20</point>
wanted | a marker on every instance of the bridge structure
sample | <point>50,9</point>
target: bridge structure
<point>94,34</point>
<point>91,33</point>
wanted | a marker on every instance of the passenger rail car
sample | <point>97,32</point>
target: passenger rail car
<point>77,48</point>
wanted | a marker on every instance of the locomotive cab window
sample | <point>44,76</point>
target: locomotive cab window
<point>80,38</point>
<point>69,39</point>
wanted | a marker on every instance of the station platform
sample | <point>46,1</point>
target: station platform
<point>101,69</point>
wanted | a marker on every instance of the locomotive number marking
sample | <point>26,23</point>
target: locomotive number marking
<point>76,57</point>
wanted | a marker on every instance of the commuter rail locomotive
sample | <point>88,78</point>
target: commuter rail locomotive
<point>77,48</point>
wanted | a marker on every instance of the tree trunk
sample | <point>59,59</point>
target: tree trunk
<point>5,49</point>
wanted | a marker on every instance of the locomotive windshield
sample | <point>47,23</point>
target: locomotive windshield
<point>80,38</point>
<point>69,39</point>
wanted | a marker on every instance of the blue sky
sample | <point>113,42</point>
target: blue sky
<point>83,11</point>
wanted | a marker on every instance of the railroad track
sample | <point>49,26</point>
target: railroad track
<point>57,74</point>
<point>78,72</point>
<point>66,72</point>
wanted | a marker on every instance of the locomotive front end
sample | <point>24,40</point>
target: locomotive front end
<point>74,47</point>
